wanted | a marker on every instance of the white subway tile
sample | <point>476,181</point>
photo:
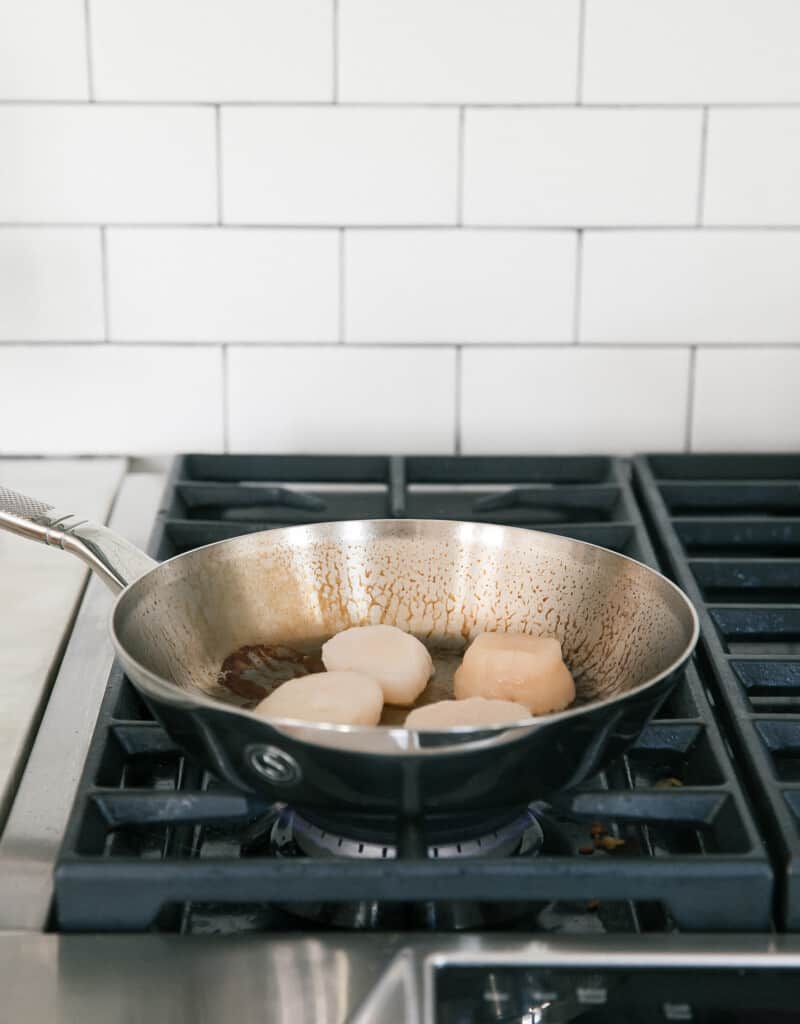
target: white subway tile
<point>690,286</point>
<point>43,50</point>
<point>97,163</point>
<point>51,282</point>
<point>459,286</point>
<point>110,399</point>
<point>223,284</point>
<point>473,51</point>
<point>682,51</point>
<point>573,399</point>
<point>753,167</point>
<point>747,400</point>
<point>341,399</point>
<point>339,165</point>
<point>581,166</point>
<point>220,50</point>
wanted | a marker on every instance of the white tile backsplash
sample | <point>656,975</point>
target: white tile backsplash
<point>71,164</point>
<point>747,400</point>
<point>753,167</point>
<point>691,51</point>
<point>458,51</point>
<point>51,284</point>
<point>218,50</point>
<point>341,399</point>
<point>339,165</point>
<point>581,166</point>
<point>573,399</point>
<point>223,284</point>
<point>110,399</point>
<point>43,50</point>
<point>459,286</point>
<point>377,225</point>
<point>690,287</point>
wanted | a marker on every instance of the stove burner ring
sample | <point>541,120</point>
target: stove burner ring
<point>292,835</point>
<point>522,836</point>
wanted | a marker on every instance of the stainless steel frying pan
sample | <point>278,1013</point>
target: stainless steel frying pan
<point>626,632</point>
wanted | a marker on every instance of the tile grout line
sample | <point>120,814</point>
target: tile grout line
<point>104,284</point>
<point>342,282</point>
<point>701,184</point>
<point>457,403</point>
<point>335,55</point>
<point>460,168</point>
<point>225,403</point>
<point>687,441</point>
<point>576,298</point>
<point>439,226</point>
<point>407,104</point>
<point>218,141</point>
<point>418,346</point>
<point>87,24</point>
<point>581,44</point>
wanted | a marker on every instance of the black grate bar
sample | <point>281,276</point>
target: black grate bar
<point>721,468</point>
<point>123,808</point>
<point>743,574</point>
<point>736,895</point>
<point>284,468</point>
<point>757,497</point>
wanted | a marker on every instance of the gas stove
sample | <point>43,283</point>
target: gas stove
<point>601,909</point>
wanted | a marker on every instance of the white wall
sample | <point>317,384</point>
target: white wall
<point>427,225</point>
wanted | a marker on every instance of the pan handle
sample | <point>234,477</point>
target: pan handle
<point>115,560</point>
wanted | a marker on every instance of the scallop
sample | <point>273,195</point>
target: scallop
<point>397,660</point>
<point>472,711</point>
<point>335,698</point>
<point>513,666</point>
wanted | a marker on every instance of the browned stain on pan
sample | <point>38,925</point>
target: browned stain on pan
<point>253,671</point>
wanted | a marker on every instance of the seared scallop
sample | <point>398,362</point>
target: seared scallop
<point>335,698</point>
<point>516,667</point>
<point>397,660</point>
<point>446,714</point>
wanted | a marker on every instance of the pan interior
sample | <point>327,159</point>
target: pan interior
<point>620,624</point>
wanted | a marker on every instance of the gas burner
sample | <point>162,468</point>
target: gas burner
<point>292,835</point>
<point>522,836</point>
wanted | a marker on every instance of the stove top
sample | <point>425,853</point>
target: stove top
<point>663,841</point>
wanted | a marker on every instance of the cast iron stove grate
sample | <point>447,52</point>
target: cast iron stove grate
<point>156,843</point>
<point>729,526</point>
